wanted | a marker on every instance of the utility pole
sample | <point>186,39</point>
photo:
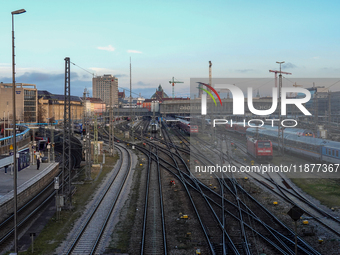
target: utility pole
<point>279,128</point>
<point>52,143</point>
<point>160,125</point>
<point>67,129</point>
<point>84,110</point>
<point>316,111</point>
<point>111,130</point>
<point>87,147</point>
<point>95,144</point>
<point>329,109</point>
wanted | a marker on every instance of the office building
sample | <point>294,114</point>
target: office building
<point>26,101</point>
<point>101,88</point>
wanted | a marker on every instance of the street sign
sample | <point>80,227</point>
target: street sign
<point>295,213</point>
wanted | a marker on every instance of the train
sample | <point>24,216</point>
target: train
<point>154,127</point>
<point>23,160</point>
<point>78,128</point>
<point>42,143</point>
<point>186,127</point>
<point>301,142</point>
<point>241,128</point>
<point>262,150</point>
<point>237,127</point>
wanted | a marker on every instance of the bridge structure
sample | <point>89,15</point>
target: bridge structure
<point>193,107</point>
<point>23,137</point>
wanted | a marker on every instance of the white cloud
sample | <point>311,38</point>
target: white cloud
<point>134,51</point>
<point>315,57</point>
<point>107,48</point>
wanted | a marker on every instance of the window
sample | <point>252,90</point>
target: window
<point>267,145</point>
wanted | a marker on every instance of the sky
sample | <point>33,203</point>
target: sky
<point>166,39</point>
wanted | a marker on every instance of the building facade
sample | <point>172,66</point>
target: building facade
<point>94,105</point>
<point>26,102</point>
<point>101,88</point>
<point>159,94</point>
<point>51,107</point>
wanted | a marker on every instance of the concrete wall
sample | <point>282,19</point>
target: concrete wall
<point>28,190</point>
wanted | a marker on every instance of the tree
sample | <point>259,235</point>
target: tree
<point>41,114</point>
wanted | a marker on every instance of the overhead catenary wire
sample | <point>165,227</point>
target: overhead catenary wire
<point>95,75</point>
<point>82,69</point>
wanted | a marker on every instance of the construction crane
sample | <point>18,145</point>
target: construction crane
<point>294,94</point>
<point>276,72</point>
<point>210,64</point>
<point>173,86</point>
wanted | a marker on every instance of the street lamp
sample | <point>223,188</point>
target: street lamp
<point>14,136</point>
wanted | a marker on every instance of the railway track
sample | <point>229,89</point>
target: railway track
<point>28,212</point>
<point>304,246</point>
<point>92,225</point>
<point>232,221</point>
<point>278,185</point>
<point>153,233</point>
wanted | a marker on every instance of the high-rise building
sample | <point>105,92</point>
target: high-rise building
<point>101,88</point>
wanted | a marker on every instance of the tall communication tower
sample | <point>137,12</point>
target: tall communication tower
<point>132,118</point>
<point>67,129</point>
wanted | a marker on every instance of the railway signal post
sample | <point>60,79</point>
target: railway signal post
<point>295,213</point>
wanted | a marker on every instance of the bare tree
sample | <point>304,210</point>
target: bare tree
<point>41,114</point>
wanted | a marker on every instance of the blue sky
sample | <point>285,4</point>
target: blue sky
<point>166,39</point>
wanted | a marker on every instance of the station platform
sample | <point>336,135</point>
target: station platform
<point>30,182</point>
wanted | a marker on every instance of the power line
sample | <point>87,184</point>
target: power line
<point>94,75</point>
<point>82,68</point>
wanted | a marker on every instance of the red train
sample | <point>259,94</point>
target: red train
<point>42,142</point>
<point>186,127</point>
<point>238,127</point>
<point>260,149</point>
